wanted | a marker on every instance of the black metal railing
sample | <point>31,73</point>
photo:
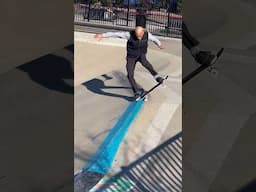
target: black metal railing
<point>158,170</point>
<point>162,18</point>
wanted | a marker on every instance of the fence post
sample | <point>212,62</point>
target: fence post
<point>89,10</point>
<point>168,23</point>
<point>128,10</point>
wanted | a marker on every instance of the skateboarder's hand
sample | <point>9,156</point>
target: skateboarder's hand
<point>98,36</point>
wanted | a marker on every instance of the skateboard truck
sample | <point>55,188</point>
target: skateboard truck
<point>210,68</point>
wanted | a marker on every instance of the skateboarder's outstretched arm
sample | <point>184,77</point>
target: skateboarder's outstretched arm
<point>155,40</point>
<point>123,35</point>
<point>126,35</point>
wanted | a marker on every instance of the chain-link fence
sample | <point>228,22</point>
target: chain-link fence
<point>163,16</point>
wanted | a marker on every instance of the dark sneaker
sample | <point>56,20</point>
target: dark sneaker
<point>205,57</point>
<point>139,93</point>
<point>137,96</point>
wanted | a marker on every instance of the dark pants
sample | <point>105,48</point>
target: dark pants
<point>187,39</point>
<point>130,66</point>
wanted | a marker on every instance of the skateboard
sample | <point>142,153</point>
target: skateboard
<point>210,68</point>
<point>144,96</point>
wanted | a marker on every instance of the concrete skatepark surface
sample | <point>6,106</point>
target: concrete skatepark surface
<point>215,123</point>
<point>28,42</point>
<point>102,93</point>
<point>219,112</point>
<point>33,119</point>
<point>236,62</point>
<point>225,23</point>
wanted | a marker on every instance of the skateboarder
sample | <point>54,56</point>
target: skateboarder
<point>202,57</point>
<point>137,46</point>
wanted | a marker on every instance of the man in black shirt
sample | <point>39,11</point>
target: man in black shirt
<point>137,46</point>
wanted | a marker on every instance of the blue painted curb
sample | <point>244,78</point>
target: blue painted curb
<point>104,156</point>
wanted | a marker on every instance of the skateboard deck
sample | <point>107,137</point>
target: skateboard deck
<point>144,96</point>
<point>203,67</point>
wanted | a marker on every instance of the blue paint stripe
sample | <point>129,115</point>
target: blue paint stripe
<point>104,156</point>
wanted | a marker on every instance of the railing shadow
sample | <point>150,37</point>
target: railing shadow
<point>250,187</point>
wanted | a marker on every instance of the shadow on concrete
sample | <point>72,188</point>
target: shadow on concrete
<point>107,77</point>
<point>102,133</point>
<point>248,187</point>
<point>81,155</point>
<point>97,86</point>
<point>70,48</point>
<point>50,71</point>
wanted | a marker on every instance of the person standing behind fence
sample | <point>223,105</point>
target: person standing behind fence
<point>137,46</point>
<point>109,14</point>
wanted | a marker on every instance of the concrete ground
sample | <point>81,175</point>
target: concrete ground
<point>36,108</point>
<point>25,44</point>
<point>102,93</point>
<point>219,111</point>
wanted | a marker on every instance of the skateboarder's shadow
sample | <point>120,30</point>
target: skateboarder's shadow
<point>98,86</point>
<point>51,71</point>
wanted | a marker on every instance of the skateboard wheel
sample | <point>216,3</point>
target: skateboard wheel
<point>214,71</point>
